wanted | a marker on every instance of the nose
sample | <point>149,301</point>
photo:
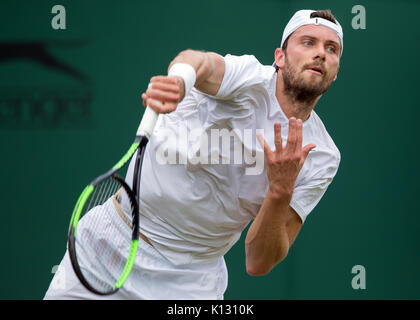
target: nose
<point>320,53</point>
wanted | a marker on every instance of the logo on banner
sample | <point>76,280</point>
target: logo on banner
<point>56,95</point>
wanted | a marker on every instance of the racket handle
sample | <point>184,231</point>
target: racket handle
<point>147,123</point>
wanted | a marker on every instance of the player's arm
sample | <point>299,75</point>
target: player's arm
<point>167,91</point>
<point>271,234</point>
<point>276,225</point>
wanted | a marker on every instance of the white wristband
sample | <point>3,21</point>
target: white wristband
<point>186,72</point>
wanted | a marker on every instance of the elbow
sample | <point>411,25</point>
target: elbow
<point>256,271</point>
<point>262,268</point>
<point>259,269</point>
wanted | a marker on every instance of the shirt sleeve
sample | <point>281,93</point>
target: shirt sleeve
<point>241,73</point>
<point>309,192</point>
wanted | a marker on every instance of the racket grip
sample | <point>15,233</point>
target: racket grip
<point>147,123</point>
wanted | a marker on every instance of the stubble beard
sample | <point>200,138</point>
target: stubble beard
<point>301,90</point>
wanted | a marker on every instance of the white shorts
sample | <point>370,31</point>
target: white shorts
<point>153,276</point>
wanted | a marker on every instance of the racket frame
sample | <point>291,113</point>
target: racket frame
<point>139,145</point>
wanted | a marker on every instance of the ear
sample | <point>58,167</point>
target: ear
<point>279,57</point>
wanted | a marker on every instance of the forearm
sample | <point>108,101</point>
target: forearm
<point>209,68</point>
<point>267,241</point>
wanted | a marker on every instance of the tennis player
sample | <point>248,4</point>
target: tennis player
<point>193,212</point>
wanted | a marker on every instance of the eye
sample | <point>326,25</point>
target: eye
<point>307,43</point>
<point>331,49</point>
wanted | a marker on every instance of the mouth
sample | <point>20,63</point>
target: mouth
<point>316,70</point>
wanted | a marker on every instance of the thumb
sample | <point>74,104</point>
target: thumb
<point>305,151</point>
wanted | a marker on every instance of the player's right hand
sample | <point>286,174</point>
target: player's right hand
<point>164,93</point>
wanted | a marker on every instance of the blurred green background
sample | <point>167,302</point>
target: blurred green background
<point>58,129</point>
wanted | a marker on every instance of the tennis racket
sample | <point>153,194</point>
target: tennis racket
<point>101,246</point>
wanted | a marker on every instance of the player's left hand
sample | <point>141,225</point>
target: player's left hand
<point>284,163</point>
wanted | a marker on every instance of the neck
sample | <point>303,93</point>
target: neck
<point>292,105</point>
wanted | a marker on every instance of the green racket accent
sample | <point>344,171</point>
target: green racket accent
<point>74,210</point>
<point>79,206</point>
<point>128,265</point>
<point>127,156</point>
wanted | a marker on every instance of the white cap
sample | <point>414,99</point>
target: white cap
<point>303,17</point>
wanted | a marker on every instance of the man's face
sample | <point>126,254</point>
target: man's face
<point>311,61</point>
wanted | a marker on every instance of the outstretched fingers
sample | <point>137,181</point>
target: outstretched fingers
<point>292,135</point>
<point>267,151</point>
<point>298,147</point>
<point>278,142</point>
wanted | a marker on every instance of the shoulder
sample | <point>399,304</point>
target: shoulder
<point>242,73</point>
<point>241,59</point>
<point>246,62</point>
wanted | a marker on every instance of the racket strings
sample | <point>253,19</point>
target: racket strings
<point>102,246</point>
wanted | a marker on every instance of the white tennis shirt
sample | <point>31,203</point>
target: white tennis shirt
<point>198,192</point>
